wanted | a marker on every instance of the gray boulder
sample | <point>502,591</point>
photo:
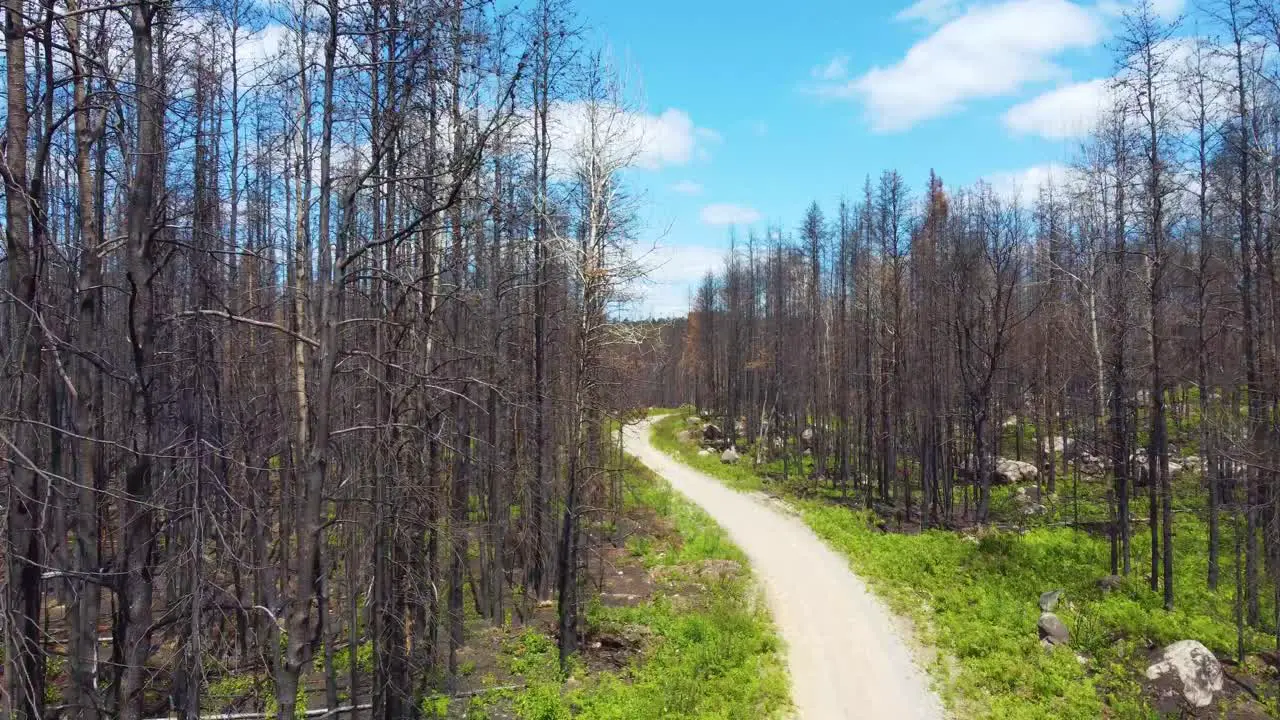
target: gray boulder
<point>729,456</point>
<point>1107,583</point>
<point>1027,499</point>
<point>1091,464</point>
<point>1187,670</point>
<point>1193,463</point>
<point>1062,445</point>
<point>1008,472</point>
<point>1052,630</point>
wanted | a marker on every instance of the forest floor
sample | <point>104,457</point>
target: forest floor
<point>846,654</point>
<point>973,595</point>
<point>674,628</point>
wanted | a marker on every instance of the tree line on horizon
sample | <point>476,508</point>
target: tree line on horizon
<point>1126,312</point>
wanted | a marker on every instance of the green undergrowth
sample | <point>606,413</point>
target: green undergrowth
<point>974,597</point>
<point>665,431</point>
<point>709,650</point>
<point>702,647</point>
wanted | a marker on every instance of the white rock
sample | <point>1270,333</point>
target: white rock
<point>1060,444</point>
<point>1091,464</point>
<point>1013,471</point>
<point>806,437</point>
<point>1192,669</point>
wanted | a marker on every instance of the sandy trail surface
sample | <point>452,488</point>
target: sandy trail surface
<point>845,652</point>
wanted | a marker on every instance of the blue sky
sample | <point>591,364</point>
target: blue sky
<point>763,107</point>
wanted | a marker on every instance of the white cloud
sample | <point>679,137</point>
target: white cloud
<point>836,69</point>
<point>687,187</point>
<point>1168,9</point>
<point>256,49</point>
<point>1024,185</point>
<point>1190,57</point>
<point>666,139</point>
<point>729,214</point>
<point>708,135</point>
<point>673,272</point>
<point>1065,112</point>
<point>1075,110</point>
<point>669,139</point>
<point>988,51</point>
<point>933,12</point>
<point>261,46</point>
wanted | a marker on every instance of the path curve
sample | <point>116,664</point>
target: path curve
<point>844,652</point>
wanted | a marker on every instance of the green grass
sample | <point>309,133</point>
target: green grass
<point>974,598</point>
<point>711,656</point>
<point>740,476</point>
<point>710,651</point>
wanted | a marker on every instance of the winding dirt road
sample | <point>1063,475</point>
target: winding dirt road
<point>844,652</point>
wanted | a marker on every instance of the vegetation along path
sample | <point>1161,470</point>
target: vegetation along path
<point>844,653</point>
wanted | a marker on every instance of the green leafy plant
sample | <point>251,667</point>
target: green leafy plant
<point>974,598</point>
<point>712,654</point>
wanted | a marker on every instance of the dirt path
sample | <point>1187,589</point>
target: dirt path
<point>844,652</point>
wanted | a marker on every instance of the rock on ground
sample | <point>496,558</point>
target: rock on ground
<point>1091,464</point>
<point>1249,710</point>
<point>729,456</point>
<point>1028,501</point>
<point>1052,630</point>
<point>1186,669</point>
<point>1107,583</point>
<point>1030,492</point>
<point>1009,471</point>
<point>1064,445</point>
<point>1194,463</point>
